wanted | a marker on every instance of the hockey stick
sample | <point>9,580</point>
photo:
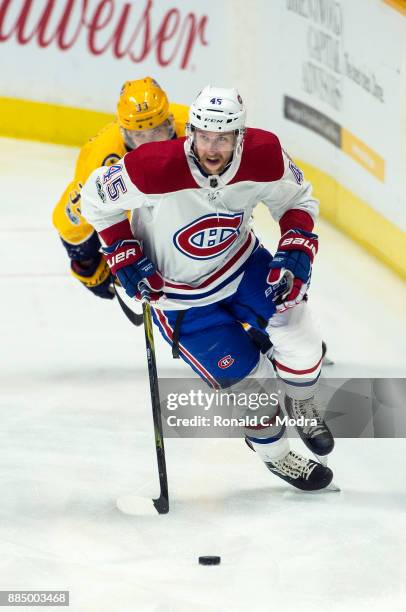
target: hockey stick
<point>135,318</point>
<point>133,504</point>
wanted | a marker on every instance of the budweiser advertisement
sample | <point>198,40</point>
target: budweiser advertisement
<point>78,52</point>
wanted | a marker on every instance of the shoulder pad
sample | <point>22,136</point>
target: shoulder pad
<point>262,158</point>
<point>159,167</point>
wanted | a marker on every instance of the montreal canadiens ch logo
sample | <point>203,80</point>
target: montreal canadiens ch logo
<point>225,362</point>
<point>208,236</point>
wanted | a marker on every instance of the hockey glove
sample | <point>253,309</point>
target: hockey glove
<point>95,276</point>
<point>292,264</point>
<point>127,261</point>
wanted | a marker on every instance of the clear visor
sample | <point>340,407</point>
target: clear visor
<point>212,142</point>
<point>135,138</point>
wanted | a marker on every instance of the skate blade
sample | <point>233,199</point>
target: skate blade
<point>323,459</point>
<point>332,487</point>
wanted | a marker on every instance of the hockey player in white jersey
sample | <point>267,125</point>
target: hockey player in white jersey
<point>190,239</point>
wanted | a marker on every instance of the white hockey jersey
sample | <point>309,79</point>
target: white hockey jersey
<point>196,228</point>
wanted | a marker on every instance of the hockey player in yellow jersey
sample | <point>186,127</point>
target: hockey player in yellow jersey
<point>144,114</point>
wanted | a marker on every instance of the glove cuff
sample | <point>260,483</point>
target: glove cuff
<point>299,240</point>
<point>296,219</point>
<point>93,276</point>
<point>118,231</point>
<point>87,249</point>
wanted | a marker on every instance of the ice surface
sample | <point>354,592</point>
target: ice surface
<point>76,434</point>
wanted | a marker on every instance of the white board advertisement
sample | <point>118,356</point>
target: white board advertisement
<point>79,52</point>
<point>326,75</point>
<point>338,81</point>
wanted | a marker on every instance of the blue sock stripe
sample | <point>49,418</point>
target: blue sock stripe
<point>268,440</point>
<point>303,384</point>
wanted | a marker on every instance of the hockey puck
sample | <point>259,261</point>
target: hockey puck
<point>209,560</point>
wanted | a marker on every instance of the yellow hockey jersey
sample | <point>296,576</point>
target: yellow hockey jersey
<point>105,149</point>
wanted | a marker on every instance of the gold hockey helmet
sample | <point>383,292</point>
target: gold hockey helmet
<point>142,105</point>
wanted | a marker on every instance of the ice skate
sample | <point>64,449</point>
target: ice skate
<point>302,473</point>
<point>317,437</point>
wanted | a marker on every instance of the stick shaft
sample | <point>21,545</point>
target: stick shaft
<point>162,503</point>
<point>135,318</point>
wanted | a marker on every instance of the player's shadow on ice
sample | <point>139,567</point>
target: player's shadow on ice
<point>272,497</point>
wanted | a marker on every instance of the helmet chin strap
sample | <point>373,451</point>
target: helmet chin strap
<point>239,144</point>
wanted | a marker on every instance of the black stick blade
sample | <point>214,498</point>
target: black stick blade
<point>161,504</point>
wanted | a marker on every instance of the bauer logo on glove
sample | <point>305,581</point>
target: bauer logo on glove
<point>296,243</point>
<point>293,264</point>
<point>127,261</point>
<point>129,253</point>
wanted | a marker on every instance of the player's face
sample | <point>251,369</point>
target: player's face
<point>135,138</point>
<point>214,150</point>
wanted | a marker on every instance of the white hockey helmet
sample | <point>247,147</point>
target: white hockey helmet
<point>217,109</point>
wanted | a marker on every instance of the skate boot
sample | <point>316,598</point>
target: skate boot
<point>302,473</point>
<point>318,437</point>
